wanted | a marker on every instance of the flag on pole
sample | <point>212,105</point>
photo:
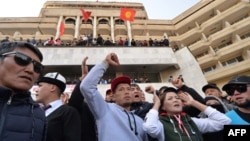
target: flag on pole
<point>127,14</point>
<point>61,28</point>
<point>85,14</point>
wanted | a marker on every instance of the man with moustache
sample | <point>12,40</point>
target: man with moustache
<point>239,88</point>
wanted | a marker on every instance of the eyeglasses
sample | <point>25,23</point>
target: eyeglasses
<point>238,87</point>
<point>24,60</point>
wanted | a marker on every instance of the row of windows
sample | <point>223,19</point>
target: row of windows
<point>216,28</point>
<point>102,21</point>
<point>224,64</point>
<point>223,45</point>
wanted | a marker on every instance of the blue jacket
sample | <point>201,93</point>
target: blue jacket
<point>236,118</point>
<point>21,119</point>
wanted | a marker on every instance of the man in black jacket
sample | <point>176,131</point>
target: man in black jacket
<point>88,126</point>
<point>21,119</point>
<point>63,120</point>
<point>140,107</point>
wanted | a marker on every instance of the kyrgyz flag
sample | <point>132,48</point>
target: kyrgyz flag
<point>85,14</point>
<point>127,14</point>
<point>61,28</point>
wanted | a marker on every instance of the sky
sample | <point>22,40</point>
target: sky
<point>156,9</point>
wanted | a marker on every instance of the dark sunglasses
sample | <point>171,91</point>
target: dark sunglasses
<point>24,60</point>
<point>239,87</point>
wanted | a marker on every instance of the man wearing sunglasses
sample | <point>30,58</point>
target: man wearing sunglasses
<point>239,88</point>
<point>21,119</point>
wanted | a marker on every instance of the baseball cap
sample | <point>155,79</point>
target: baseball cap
<point>118,80</point>
<point>243,79</point>
<point>54,78</point>
<point>108,91</point>
<point>210,85</point>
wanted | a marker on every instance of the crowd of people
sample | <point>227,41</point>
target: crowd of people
<point>176,113</point>
<point>88,40</point>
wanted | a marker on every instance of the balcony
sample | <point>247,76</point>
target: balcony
<point>228,71</point>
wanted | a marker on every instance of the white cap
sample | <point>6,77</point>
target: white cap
<point>54,78</point>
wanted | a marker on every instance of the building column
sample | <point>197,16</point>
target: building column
<point>204,36</point>
<point>236,38</point>
<point>112,29</point>
<point>147,35</point>
<point>197,25</point>
<point>94,27</point>
<point>129,33</point>
<point>226,24</point>
<point>77,27</point>
<point>212,51</point>
<point>58,27</point>
<point>219,64</point>
<point>217,12</point>
<point>15,35</point>
<point>165,34</point>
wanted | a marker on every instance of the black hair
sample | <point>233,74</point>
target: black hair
<point>10,46</point>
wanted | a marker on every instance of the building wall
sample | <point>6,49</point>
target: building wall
<point>217,32</point>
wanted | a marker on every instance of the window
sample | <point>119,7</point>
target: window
<point>103,21</point>
<point>143,77</point>
<point>222,46</point>
<point>119,21</point>
<point>88,21</point>
<point>241,18</point>
<point>201,55</point>
<point>232,61</point>
<point>245,35</point>
<point>209,69</point>
<point>70,21</point>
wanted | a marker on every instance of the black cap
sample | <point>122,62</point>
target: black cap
<point>243,79</point>
<point>210,85</point>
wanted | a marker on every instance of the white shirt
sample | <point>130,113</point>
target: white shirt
<point>54,105</point>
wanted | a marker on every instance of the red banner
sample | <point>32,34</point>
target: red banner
<point>127,14</point>
<point>85,14</point>
<point>61,28</point>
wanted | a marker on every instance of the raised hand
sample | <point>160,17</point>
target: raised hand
<point>156,101</point>
<point>150,89</point>
<point>186,98</point>
<point>84,68</point>
<point>112,59</point>
<point>177,83</point>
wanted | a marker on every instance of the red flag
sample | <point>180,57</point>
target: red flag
<point>61,28</point>
<point>85,14</point>
<point>127,14</point>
